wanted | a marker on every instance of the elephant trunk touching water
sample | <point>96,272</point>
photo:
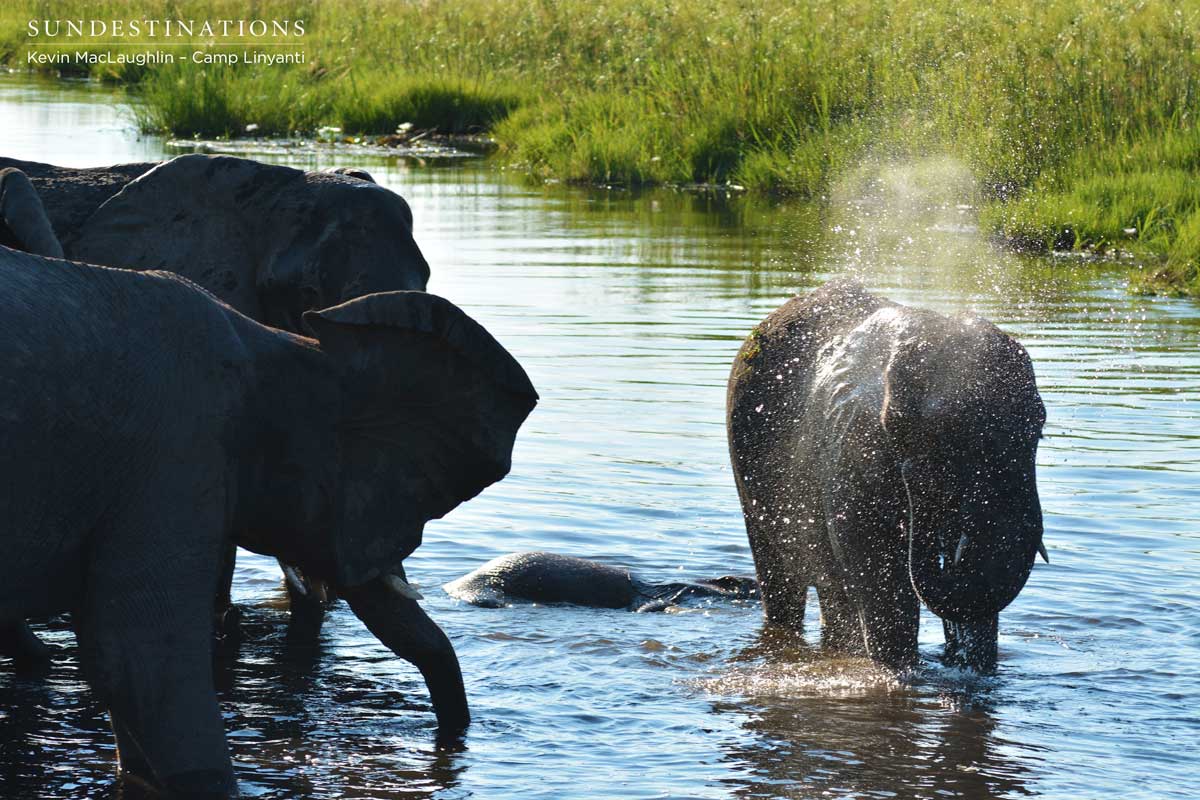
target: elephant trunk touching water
<point>148,426</point>
<point>886,456</point>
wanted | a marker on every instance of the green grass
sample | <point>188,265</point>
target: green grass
<point>1076,116</point>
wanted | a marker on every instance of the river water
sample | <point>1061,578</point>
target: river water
<point>626,309</point>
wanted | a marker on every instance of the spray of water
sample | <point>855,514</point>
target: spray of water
<point>912,225</point>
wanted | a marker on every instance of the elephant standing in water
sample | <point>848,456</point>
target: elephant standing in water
<point>147,426</point>
<point>885,455</point>
<point>271,241</point>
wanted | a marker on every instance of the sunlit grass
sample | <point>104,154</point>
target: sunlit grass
<point>1075,116</point>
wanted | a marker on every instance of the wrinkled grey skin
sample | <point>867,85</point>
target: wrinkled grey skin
<point>271,241</point>
<point>885,455</point>
<point>552,578</point>
<point>147,426</point>
<point>24,226</point>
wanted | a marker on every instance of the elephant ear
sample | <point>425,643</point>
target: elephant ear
<point>212,219</point>
<point>431,408</point>
<point>23,222</point>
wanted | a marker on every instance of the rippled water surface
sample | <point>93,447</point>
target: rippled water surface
<point>626,311</point>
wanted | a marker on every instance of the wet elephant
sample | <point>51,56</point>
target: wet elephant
<point>885,455</point>
<point>147,426</point>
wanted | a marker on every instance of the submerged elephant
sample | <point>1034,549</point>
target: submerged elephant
<point>147,426</point>
<point>552,578</point>
<point>885,455</point>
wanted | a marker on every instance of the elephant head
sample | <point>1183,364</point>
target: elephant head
<point>23,222</point>
<point>431,404</point>
<point>963,415</point>
<point>423,417</point>
<point>271,241</point>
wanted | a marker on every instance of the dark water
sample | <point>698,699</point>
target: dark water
<point>627,311</point>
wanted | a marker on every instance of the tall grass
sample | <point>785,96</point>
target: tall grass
<point>1077,116</point>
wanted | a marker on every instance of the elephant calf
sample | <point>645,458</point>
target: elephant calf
<point>147,426</point>
<point>885,455</point>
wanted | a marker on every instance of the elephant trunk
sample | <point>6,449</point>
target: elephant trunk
<point>387,605</point>
<point>968,563</point>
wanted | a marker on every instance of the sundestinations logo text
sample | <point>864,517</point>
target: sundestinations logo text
<point>165,28</point>
<point>147,41</point>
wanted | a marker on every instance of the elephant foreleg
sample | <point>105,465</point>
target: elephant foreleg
<point>972,644</point>
<point>130,758</point>
<point>782,580</point>
<point>146,644</point>
<point>400,623</point>
<point>890,619</point>
<point>226,616</point>
<point>840,626</point>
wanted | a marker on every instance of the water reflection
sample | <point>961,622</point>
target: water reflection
<point>842,727</point>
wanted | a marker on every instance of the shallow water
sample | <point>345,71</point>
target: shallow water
<point>627,309</point>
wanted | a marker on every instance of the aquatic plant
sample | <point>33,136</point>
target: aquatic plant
<point>1075,116</point>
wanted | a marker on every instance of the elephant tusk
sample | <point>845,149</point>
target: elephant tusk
<point>958,551</point>
<point>1042,552</point>
<point>402,587</point>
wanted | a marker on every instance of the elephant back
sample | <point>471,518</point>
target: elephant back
<point>270,241</point>
<point>70,196</point>
<point>194,216</point>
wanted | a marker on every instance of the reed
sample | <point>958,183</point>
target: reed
<point>1075,115</point>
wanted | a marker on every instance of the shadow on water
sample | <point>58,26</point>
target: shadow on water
<point>298,723</point>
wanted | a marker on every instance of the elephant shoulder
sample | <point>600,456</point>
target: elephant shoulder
<point>787,341</point>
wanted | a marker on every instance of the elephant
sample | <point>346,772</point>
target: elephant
<point>270,241</point>
<point>885,455</point>
<point>23,222</point>
<point>147,426</point>
<point>552,578</point>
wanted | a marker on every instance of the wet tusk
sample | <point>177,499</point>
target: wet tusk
<point>962,543</point>
<point>1042,552</point>
<point>295,580</point>
<point>402,587</point>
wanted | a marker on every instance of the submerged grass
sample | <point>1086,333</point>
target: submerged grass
<point>1077,116</point>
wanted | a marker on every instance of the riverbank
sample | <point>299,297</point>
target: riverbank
<point>1075,119</point>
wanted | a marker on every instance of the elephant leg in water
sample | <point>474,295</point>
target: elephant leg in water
<point>24,226</point>
<point>330,453</point>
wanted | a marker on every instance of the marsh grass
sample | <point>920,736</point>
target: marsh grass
<point>1077,117</point>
